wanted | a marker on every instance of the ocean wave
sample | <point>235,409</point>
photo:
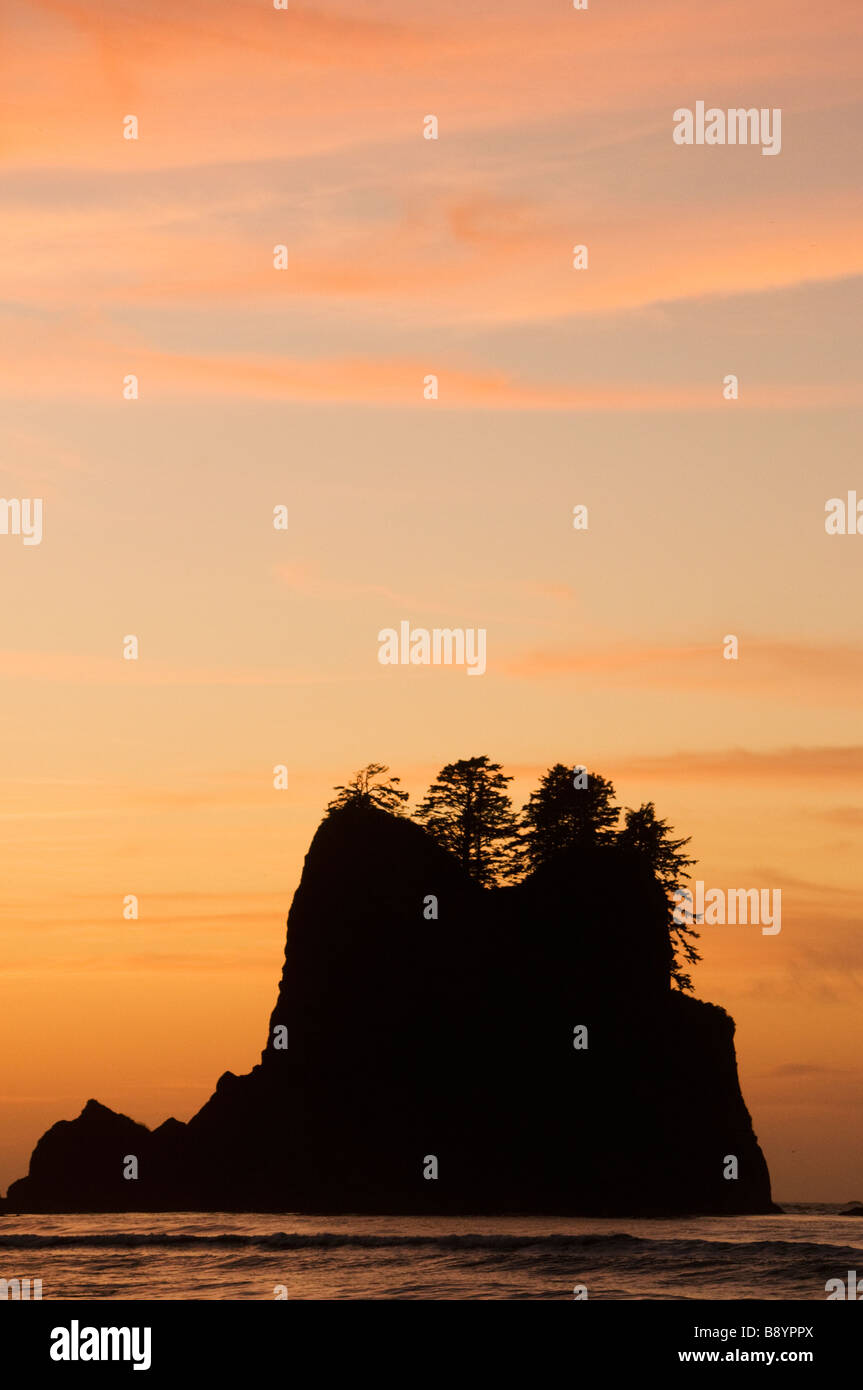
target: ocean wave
<point>595,1244</point>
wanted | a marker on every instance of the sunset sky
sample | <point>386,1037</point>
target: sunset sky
<point>304,387</point>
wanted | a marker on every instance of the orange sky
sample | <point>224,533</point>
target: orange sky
<point>305,387</point>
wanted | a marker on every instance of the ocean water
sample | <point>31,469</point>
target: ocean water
<point>194,1255</point>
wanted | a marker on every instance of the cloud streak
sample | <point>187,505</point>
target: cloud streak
<point>55,364</point>
<point>822,674</point>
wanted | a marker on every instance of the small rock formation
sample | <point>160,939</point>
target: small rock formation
<point>451,1039</point>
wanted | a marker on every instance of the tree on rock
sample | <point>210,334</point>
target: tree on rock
<point>366,790</point>
<point>651,838</point>
<point>468,811</point>
<point>569,807</point>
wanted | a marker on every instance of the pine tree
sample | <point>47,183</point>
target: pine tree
<point>569,807</point>
<point>365,790</point>
<point>651,838</point>
<point>468,811</point>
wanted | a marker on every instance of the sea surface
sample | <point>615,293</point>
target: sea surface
<point>194,1255</point>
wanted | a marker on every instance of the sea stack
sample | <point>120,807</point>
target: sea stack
<point>525,1039</point>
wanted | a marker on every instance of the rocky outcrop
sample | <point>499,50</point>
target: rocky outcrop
<point>430,1027</point>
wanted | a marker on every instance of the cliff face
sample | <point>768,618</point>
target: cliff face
<point>411,1036</point>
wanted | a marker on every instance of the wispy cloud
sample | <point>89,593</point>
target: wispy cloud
<point>829,674</point>
<point>34,365</point>
<point>841,763</point>
<point>328,76</point>
<point>78,668</point>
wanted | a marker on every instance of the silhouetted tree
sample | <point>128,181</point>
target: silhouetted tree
<point>468,811</point>
<point>651,838</point>
<point>567,809</point>
<point>365,790</point>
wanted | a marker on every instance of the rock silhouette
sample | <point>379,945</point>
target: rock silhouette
<point>410,1039</point>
